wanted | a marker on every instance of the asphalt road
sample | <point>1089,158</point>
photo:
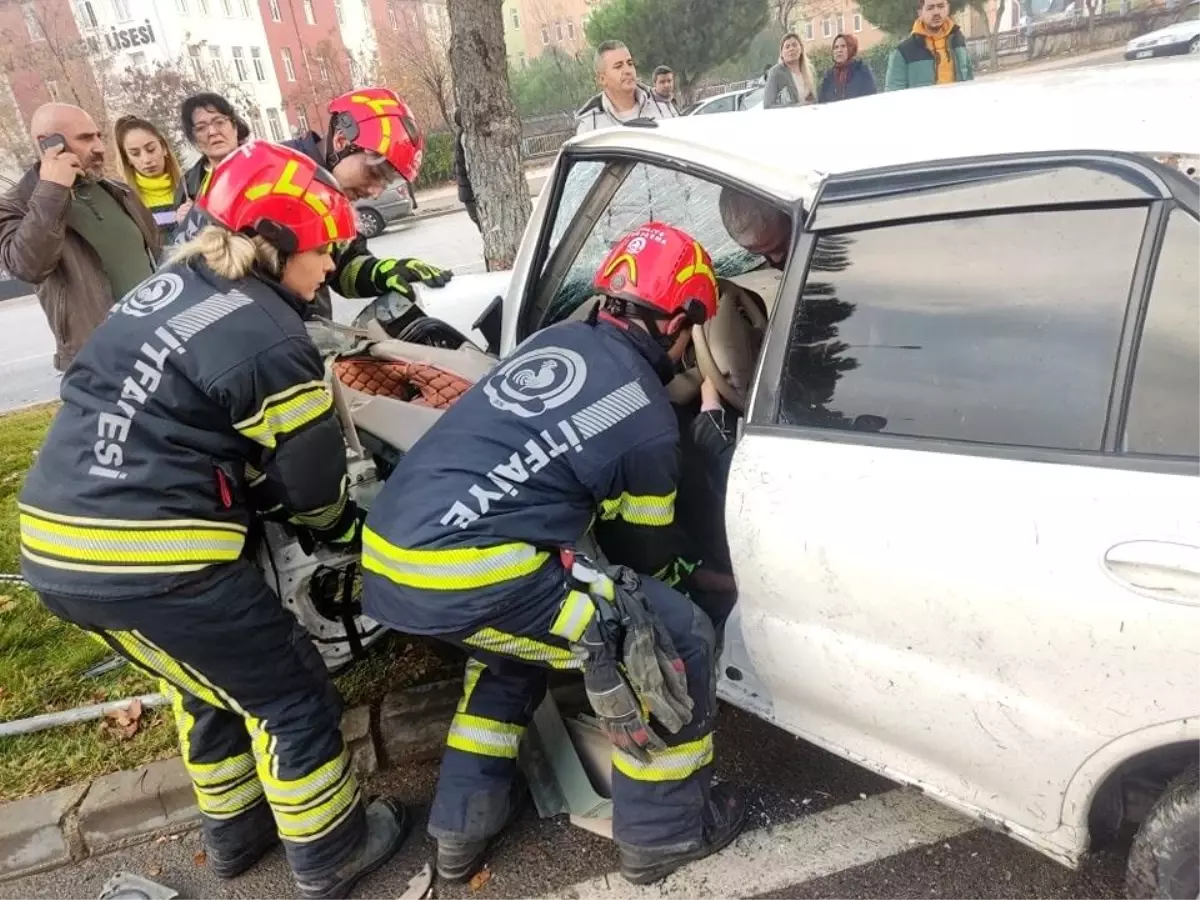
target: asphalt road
<point>819,827</point>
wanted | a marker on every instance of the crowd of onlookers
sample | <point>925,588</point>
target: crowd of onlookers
<point>935,52</point>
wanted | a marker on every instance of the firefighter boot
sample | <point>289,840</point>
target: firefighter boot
<point>458,860</point>
<point>234,845</point>
<point>388,825</point>
<point>723,819</point>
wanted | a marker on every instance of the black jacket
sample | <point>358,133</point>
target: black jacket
<point>142,482</point>
<point>466,193</point>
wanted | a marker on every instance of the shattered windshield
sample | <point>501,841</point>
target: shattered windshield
<point>648,193</point>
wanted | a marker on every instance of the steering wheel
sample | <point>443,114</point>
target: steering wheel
<point>735,300</point>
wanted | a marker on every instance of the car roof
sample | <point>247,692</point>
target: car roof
<point>787,153</point>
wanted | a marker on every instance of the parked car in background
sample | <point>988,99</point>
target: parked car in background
<point>390,206</point>
<point>731,101</point>
<point>1174,40</point>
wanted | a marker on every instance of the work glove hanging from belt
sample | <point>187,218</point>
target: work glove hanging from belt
<point>632,671</point>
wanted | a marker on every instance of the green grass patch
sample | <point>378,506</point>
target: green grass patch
<point>42,661</point>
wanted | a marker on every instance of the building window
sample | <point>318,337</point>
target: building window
<point>309,16</point>
<point>571,29</point>
<point>545,35</point>
<point>827,28</point>
<point>276,127</point>
<point>275,16</point>
<point>85,14</point>
<point>138,61</point>
<point>323,68</point>
<point>558,31</point>
<point>52,89</point>
<point>239,63</point>
<point>391,8</point>
<point>121,10</point>
<point>516,18</point>
<point>808,30</point>
<point>841,24</point>
<point>218,64</point>
<point>203,4</point>
<point>197,63</point>
<point>246,10</point>
<point>338,12</point>
<point>857,22</point>
<point>227,8</point>
<point>256,58</point>
<point>181,7</point>
<point>289,70</point>
<point>302,123</point>
<point>32,24</point>
<point>521,58</point>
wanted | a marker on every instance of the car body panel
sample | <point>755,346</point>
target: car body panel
<point>1002,667</point>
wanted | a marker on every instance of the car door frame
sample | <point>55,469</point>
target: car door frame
<point>1164,193</point>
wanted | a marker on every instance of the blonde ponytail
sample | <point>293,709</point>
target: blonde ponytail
<point>227,253</point>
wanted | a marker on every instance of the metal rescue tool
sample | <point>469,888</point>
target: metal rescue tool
<point>419,885</point>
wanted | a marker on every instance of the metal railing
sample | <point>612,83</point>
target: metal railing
<point>544,144</point>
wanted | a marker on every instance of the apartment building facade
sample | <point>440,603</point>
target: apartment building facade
<point>820,21</point>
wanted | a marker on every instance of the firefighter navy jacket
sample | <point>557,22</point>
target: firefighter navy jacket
<point>576,425</point>
<point>142,482</point>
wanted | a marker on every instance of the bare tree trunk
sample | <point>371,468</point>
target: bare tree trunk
<point>994,37</point>
<point>491,128</point>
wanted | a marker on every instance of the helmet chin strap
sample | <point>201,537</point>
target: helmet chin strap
<point>332,156</point>
<point>619,311</point>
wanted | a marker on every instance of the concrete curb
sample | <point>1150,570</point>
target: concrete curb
<point>138,805</point>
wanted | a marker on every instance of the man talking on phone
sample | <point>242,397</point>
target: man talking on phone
<point>83,239</point>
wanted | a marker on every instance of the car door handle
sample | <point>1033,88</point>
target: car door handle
<point>1161,569</point>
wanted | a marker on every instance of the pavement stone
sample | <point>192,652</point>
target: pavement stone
<point>125,806</point>
<point>360,741</point>
<point>31,831</point>
<point>413,723</point>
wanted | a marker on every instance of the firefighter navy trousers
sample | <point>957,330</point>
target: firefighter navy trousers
<point>656,805</point>
<point>258,717</point>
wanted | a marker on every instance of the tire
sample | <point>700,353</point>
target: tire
<point>1164,863</point>
<point>1194,46</point>
<point>370,223</point>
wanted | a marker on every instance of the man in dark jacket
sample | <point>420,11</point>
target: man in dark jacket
<point>935,53</point>
<point>466,193</point>
<point>84,240</point>
<point>467,542</point>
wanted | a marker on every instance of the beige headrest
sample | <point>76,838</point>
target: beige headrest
<point>728,343</point>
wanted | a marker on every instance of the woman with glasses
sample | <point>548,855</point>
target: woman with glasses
<point>214,128</point>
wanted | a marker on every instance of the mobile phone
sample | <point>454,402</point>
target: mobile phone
<point>50,141</point>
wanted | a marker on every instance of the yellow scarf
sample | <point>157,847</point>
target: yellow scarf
<point>936,41</point>
<point>155,190</point>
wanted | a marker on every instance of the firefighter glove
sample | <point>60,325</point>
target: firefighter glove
<point>416,270</point>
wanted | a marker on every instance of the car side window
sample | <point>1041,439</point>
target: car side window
<point>999,329</point>
<point>1164,407</point>
<point>725,104</point>
<point>648,194</point>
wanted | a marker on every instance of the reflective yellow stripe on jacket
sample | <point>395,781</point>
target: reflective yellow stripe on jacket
<point>285,412</point>
<point>127,546</point>
<point>640,509</point>
<point>452,568</point>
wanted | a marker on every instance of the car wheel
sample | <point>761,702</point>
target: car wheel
<point>1164,862</point>
<point>1194,46</point>
<point>370,223</point>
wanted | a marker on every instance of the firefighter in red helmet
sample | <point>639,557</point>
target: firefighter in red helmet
<point>202,387</point>
<point>372,142</point>
<point>475,539</point>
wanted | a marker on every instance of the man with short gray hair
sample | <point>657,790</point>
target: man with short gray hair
<point>621,98</point>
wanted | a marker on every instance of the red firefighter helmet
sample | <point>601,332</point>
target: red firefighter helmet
<point>376,121</point>
<point>280,195</point>
<point>662,270</point>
